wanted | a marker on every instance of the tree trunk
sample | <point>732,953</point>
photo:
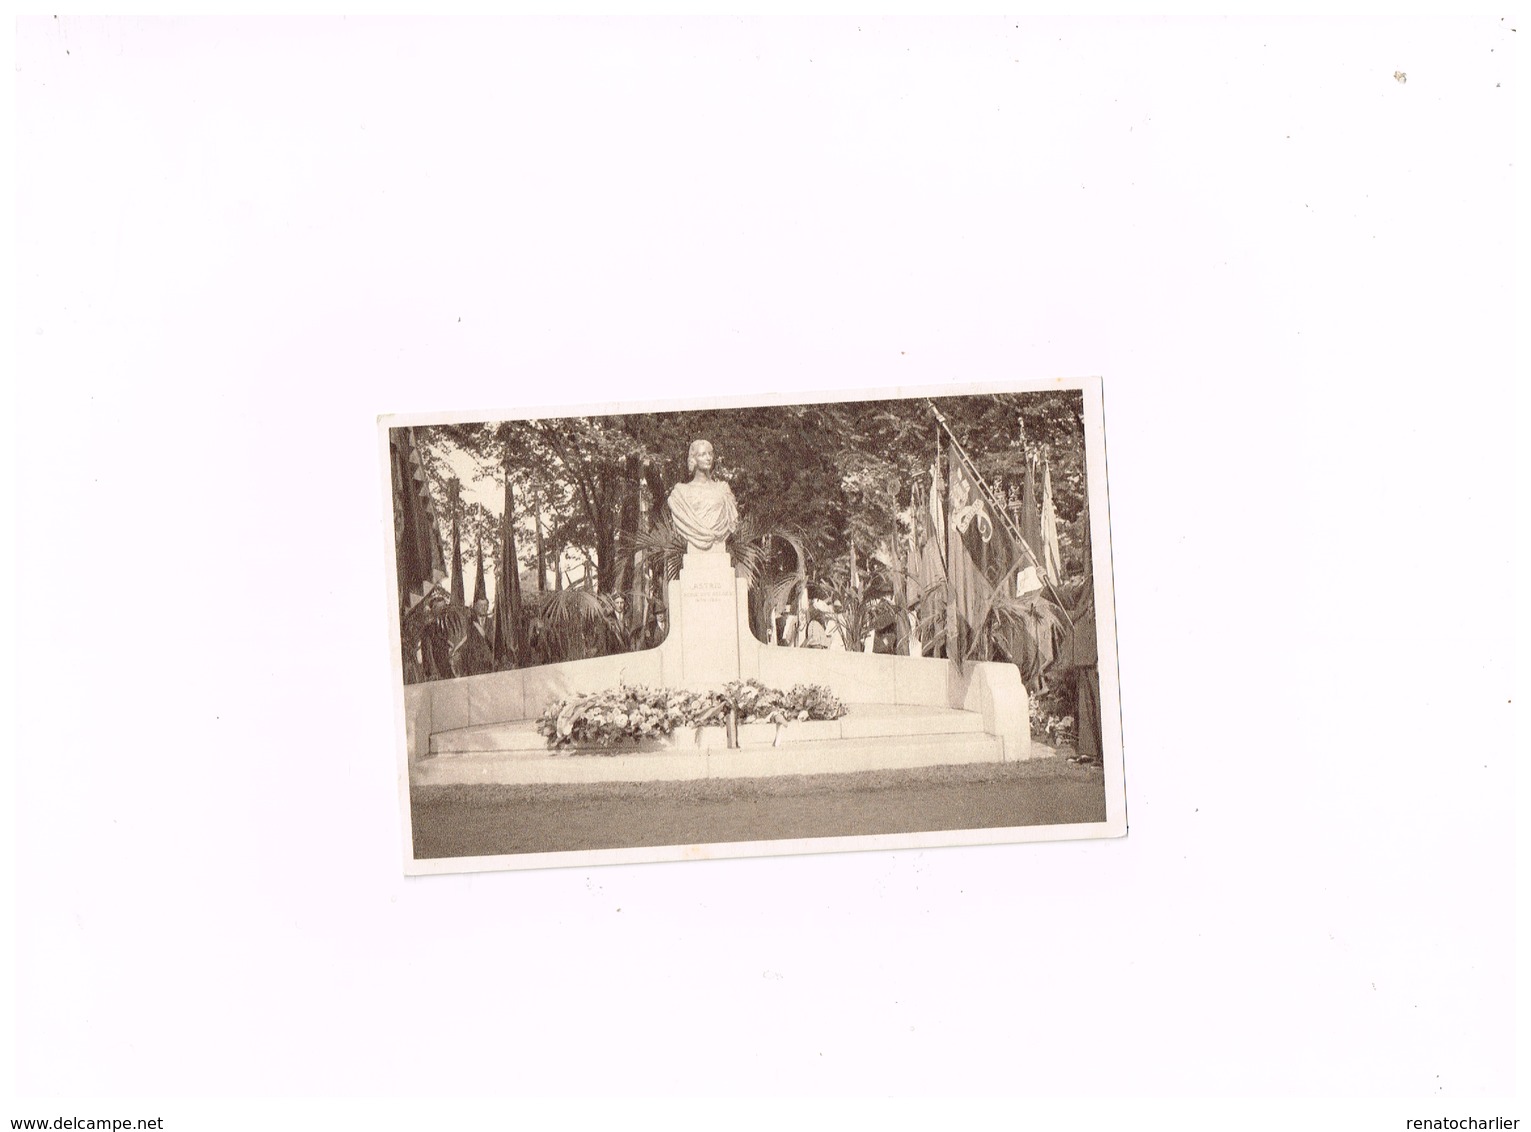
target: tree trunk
<point>605,554</point>
<point>659,490</point>
<point>627,524</point>
<point>609,501</point>
<point>542,562</point>
<point>454,488</point>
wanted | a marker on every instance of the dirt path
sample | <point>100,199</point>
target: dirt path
<point>460,821</point>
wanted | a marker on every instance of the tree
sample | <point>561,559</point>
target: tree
<point>815,484</point>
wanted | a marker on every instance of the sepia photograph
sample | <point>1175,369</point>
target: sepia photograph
<point>758,629</point>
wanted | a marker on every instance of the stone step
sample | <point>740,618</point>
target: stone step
<point>811,756</point>
<point>862,721</point>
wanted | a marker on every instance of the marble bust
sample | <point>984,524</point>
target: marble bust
<point>703,509</point>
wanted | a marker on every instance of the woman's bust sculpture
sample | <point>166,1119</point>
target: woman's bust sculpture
<point>703,510</point>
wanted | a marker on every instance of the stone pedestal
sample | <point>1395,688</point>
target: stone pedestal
<point>706,622</point>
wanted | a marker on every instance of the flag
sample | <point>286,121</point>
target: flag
<point>937,495</point>
<point>897,560</point>
<point>454,487</point>
<point>417,541</point>
<point>1027,581</point>
<point>480,590</point>
<point>1031,527</point>
<point>506,630</point>
<point>980,557</point>
<point>925,563</point>
<point>1052,555</point>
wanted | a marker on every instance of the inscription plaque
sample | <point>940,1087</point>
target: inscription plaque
<point>707,621</point>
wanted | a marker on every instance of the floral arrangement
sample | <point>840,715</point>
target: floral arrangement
<point>635,712</point>
<point>1056,730</point>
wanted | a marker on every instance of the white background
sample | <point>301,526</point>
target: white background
<point>238,243</point>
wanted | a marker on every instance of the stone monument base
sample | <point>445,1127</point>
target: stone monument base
<point>709,644</point>
<point>706,615</point>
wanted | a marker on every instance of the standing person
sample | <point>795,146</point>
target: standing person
<point>472,656</point>
<point>786,627</point>
<point>817,637</point>
<point>436,638</point>
<point>1083,658</point>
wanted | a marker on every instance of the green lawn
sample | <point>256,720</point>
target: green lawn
<point>464,821</point>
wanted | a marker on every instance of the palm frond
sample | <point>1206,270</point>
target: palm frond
<point>1032,612</point>
<point>661,541</point>
<point>750,557</point>
<point>572,624</point>
<point>782,590</point>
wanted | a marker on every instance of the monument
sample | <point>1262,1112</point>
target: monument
<point>706,618</point>
<point>906,710</point>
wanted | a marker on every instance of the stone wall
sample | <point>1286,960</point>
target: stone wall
<point>994,691</point>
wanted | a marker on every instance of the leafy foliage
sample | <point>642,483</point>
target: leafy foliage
<point>812,482</point>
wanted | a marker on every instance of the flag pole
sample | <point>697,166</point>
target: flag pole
<point>1004,516</point>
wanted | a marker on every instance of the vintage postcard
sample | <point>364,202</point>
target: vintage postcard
<point>658,632</point>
